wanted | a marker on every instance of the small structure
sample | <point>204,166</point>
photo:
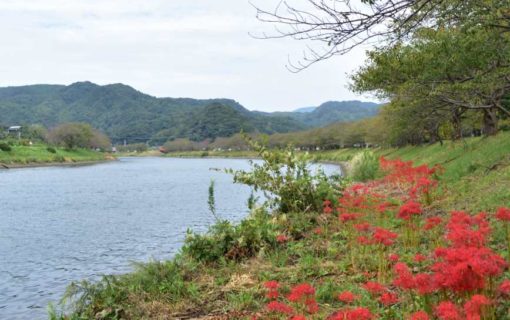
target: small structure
<point>14,130</point>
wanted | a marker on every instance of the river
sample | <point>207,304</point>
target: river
<point>62,224</point>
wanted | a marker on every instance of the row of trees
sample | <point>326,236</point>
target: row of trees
<point>442,65</point>
<point>67,135</point>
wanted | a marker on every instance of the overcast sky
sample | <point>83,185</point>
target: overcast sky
<point>166,48</point>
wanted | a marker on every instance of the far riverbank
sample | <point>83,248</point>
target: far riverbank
<point>42,155</point>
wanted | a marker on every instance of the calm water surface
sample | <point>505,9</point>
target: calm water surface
<point>61,224</point>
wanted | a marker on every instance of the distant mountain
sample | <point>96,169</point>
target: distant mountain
<point>305,109</point>
<point>124,113</point>
<point>333,111</point>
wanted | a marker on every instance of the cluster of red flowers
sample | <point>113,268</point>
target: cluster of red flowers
<point>398,171</point>
<point>302,296</point>
<point>409,209</point>
<point>453,276</point>
<point>358,313</point>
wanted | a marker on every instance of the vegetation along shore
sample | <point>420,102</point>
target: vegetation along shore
<point>66,144</point>
<point>419,232</point>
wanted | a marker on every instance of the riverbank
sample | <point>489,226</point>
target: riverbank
<point>318,256</point>
<point>38,155</point>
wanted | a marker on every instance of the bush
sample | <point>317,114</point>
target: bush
<point>51,150</point>
<point>287,180</point>
<point>5,147</point>
<point>24,142</point>
<point>233,242</point>
<point>365,166</point>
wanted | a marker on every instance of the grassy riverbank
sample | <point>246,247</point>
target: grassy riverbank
<point>224,274</point>
<point>473,167</point>
<point>42,154</point>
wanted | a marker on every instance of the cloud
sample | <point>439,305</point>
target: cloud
<point>198,48</point>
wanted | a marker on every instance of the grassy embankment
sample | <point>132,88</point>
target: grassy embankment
<point>40,154</point>
<point>476,177</point>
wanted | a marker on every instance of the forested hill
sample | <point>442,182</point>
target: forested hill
<point>335,111</point>
<point>125,113</point>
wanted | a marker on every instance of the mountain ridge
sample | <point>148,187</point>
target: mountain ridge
<point>124,113</point>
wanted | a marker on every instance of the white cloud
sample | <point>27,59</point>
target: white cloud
<point>179,48</point>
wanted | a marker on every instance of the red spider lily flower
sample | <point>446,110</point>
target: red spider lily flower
<point>364,240</point>
<point>388,299</point>
<point>466,269</point>
<point>362,227</point>
<point>384,237</point>
<point>311,306</point>
<point>383,207</point>
<point>473,308</point>
<point>327,209</point>
<point>301,291</point>
<point>424,283</point>
<point>404,278</point>
<point>271,285</point>
<point>279,307</point>
<point>374,288</point>
<point>465,230</point>
<point>504,287</point>
<point>353,314</point>
<point>503,214</point>
<point>360,314</point>
<point>347,297</point>
<point>272,294</point>
<point>281,238</point>
<point>422,185</point>
<point>420,315</point>
<point>298,317</point>
<point>408,209</point>
<point>346,217</point>
<point>446,310</point>
<point>394,257</point>
<point>419,258</point>
<point>432,222</point>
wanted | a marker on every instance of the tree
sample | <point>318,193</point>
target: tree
<point>338,26</point>
<point>442,74</point>
<point>78,135</point>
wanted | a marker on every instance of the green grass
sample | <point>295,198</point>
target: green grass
<point>39,154</point>
<point>476,170</point>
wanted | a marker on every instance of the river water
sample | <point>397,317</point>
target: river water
<point>62,224</point>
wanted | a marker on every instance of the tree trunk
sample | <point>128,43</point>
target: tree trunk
<point>457,125</point>
<point>490,122</point>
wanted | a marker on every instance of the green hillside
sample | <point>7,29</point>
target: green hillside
<point>124,113</point>
<point>335,111</point>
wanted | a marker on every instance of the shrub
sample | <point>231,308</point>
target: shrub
<point>365,166</point>
<point>5,147</point>
<point>24,142</point>
<point>233,242</point>
<point>287,181</point>
<point>51,150</point>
